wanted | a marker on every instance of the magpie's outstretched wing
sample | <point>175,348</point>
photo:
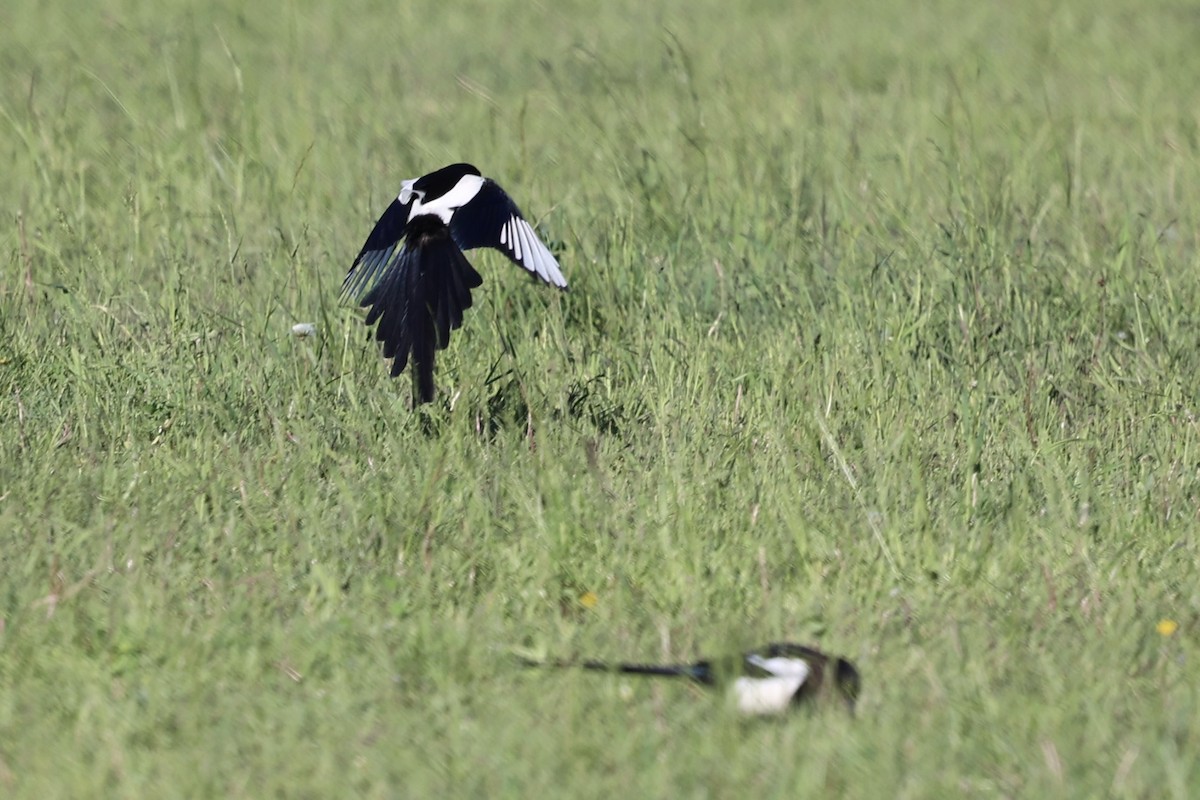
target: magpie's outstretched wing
<point>492,219</point>
<point>380,252</point>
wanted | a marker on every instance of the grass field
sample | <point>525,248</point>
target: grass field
<point>883,335</point>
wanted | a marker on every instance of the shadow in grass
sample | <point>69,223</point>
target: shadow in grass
<point>587,402</point>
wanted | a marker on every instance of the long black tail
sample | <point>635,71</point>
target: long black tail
<point>701,671</point>
<point>420,300</point>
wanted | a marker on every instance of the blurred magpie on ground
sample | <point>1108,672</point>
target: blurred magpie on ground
<point>411,272</point>
<point>769,680</point>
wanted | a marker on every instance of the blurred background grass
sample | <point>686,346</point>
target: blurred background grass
<point>882,335</point>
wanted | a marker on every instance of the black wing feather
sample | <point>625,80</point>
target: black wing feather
<point>492,219</point>
<point>379,252</point>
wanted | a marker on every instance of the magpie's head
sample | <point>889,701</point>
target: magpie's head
<point>437,183</point>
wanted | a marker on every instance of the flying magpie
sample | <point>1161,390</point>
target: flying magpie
<point>411,272</point>
<point>768,680</point>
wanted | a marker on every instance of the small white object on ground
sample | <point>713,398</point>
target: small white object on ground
<point>302,329</point>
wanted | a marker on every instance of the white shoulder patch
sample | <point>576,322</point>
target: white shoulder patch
<point>781,665</point>
<point>406,191</point>
<point>445,205</point>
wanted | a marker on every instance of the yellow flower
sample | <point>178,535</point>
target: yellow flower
<point>588,599</point>
<point>1166,627</point>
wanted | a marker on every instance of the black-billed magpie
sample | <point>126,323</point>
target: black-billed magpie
<point>768,680</point>
<point>412,273</point>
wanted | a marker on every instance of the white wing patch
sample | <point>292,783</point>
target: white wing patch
<point>528,250</point>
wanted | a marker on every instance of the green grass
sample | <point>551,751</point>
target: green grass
<point>882,335</point>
